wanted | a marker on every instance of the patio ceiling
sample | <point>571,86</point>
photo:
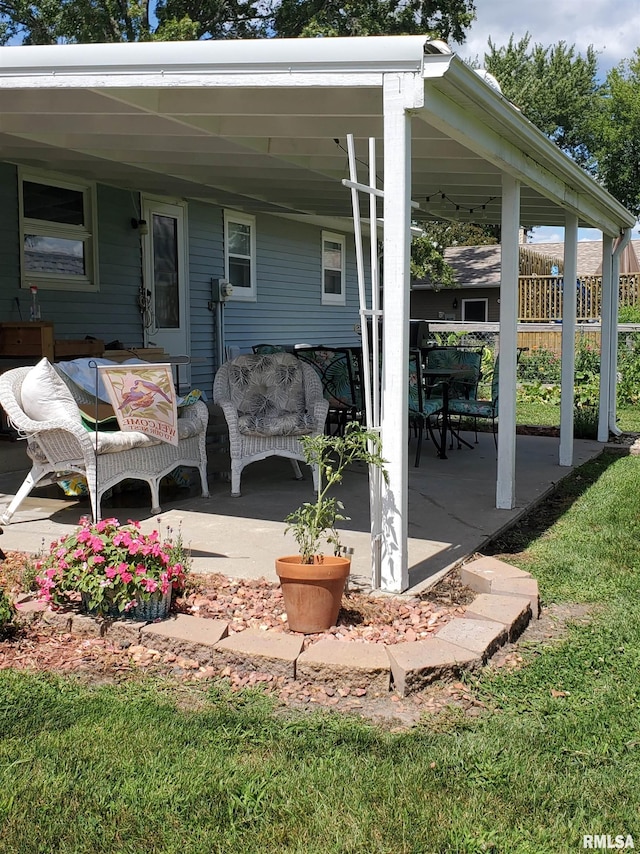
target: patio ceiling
<point>262,126</point>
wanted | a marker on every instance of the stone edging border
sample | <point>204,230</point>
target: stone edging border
<point>507,600</point>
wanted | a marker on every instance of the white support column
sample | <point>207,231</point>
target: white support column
<point>605,338</point>
<point>508,347</point>
<point>569,305</point>
<point>613,351</point>
<point>395,377</point>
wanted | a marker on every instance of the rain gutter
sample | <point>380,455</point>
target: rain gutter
<point>380,54</point>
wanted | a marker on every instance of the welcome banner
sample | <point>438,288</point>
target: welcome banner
<point>143,398</point>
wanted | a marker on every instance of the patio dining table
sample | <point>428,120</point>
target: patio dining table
<point>443,377</point>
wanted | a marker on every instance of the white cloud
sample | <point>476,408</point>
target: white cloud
<point>612,29</point>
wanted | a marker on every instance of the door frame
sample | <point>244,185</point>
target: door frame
<point>485,300</point>
<point>177,208</point>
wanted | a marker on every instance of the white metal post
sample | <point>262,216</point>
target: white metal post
<point>508,347</point>
<point>569,305</point>
<point>615,304</point>
<point>605,338</point>
<point>395,387</point>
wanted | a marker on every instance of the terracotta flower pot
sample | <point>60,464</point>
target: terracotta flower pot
<point>312,592</point>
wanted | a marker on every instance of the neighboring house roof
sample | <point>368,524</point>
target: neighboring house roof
<point>589,255</point>
<point>479,266</point>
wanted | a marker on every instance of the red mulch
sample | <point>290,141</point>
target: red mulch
<point>247,604</point>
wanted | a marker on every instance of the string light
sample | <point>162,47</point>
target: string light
<point>358,160</point>
<point>457,205</point>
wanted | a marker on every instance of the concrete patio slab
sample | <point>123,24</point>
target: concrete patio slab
<point>452,511</point>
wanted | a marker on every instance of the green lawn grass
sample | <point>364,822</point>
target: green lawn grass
<point>146,767</point>
<point>548,415</point>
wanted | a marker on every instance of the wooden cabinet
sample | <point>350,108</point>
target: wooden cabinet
<point>20,340</point>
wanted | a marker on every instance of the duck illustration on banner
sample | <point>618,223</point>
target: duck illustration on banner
<point>143,398</point>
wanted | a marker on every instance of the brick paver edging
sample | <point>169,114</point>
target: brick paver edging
<point>507,600</point>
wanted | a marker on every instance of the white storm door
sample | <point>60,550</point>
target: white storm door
<point>167,322</point>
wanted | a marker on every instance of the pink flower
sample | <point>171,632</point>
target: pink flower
<point>99,559</point>
<point>111,572</point>
<point>96,543</point>
<point>150,585</point>
<point>126,577</point>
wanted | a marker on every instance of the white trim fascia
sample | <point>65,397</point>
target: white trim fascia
<point>284,57</point>
<point>545,167</point>
<point>485,300</point>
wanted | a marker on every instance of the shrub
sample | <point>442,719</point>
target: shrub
<point>539,365</point>
<point>7,613</point>
<point>629,314</point>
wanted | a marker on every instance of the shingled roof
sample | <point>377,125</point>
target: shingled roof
<point>479,266</point>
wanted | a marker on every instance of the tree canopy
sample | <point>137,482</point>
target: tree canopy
<point>52,21</point>
<point>555,87</point>
<point>617,133</point>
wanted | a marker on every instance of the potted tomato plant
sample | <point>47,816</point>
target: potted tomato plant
<point>313,581</point>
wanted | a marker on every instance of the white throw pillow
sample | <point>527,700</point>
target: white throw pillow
<point>45,396</point>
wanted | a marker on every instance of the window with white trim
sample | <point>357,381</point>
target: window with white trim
<point>240,254</point>
<point>475,310</point>
<point>57,233</point>
<point>333,268</point>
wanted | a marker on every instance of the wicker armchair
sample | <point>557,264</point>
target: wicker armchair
<point>62,445</point>
<point>269,401</point>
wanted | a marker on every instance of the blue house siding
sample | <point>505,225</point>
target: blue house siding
<point>111,313</point>
<point>206,262</point>
<point>289,307</point>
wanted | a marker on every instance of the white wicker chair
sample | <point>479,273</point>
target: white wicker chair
<point>269,401</point>
<point>62,446</point>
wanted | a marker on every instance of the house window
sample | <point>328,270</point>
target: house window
<point>57,233</point>
<point>475,310</point>
<point>333,255</point>
<point>240,254</point>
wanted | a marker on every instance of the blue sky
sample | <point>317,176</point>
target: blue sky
<point>612,28</point>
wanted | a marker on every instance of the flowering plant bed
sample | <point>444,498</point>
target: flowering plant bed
<point>115,570</point>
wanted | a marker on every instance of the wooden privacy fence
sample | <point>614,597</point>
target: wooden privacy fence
<point>551,339</point>
<point>540,297</point>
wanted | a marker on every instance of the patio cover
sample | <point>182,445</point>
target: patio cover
<point>261,126</point>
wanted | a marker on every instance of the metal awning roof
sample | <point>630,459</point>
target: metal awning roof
<point>261,126</point>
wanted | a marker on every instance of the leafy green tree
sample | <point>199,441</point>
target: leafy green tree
<point>445,234</point>
<point>446,19</point>
<point>555,87</point>
<point>52,21</point>
<point>427,261</point>
<point>617,131</point>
